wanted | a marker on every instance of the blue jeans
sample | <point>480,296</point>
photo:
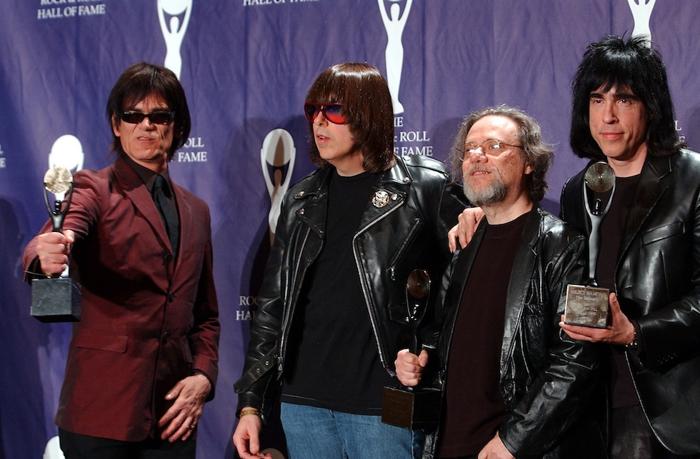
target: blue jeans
<point>315,433</point>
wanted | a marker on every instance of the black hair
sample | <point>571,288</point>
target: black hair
<point>618,62</point>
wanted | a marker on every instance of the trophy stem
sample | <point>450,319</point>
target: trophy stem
<point>593,248</point>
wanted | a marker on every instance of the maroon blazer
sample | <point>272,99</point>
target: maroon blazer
<point>148,320</point>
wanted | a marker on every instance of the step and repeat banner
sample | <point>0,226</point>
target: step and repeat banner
<point>246,66</point>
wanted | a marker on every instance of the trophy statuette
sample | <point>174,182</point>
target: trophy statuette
<point>587,305</point>
<point>56,299</point>
<point>412,407</point>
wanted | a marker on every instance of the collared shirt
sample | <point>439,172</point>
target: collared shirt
<point>149,179</point>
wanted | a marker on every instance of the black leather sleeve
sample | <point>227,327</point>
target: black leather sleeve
<point>261,358</point>
<point>671,333</point>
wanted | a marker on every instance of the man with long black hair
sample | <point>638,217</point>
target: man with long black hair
<point>650,252</point>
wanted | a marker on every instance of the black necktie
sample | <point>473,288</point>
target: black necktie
<point>164,199</point>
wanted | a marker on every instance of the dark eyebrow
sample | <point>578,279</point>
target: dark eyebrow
<point>626,95</point>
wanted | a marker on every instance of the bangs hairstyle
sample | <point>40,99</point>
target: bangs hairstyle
<point>616,62</point>
<point>366,101</point>
<point>140,81</point>
<point>538,154</point>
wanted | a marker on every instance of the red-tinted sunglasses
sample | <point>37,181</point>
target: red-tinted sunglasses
<point>332,112</point>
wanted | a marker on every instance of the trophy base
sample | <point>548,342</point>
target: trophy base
<point>56,300</point>
<point>413,409</point>
<point>586,306</point>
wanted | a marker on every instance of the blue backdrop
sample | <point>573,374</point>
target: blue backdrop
<point>246,66</point>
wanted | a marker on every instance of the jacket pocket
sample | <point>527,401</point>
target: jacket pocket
<point>102,342</point>
<point>403,248</point>
<point>662,232</point>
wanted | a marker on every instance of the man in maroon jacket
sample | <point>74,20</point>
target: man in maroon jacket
<point>143,358</point>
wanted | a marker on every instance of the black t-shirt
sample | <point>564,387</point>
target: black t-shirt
<point>612,231</point>
<point>333,358</point>
<point>473,405</point>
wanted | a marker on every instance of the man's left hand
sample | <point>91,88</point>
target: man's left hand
<point>495,449</point>
<point>620,331</point>
<point>181,419</point>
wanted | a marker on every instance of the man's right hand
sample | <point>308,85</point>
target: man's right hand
<point>53,250</point>
<point>246,438</point>
<point>465,228</point>
<point>409,367</point>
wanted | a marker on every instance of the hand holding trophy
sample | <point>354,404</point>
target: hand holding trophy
<point>56,299</point>
<point>408,406</point>
<point>587,305</point>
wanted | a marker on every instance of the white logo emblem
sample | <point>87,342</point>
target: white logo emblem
<point>641,12</point>
<point>178,12</point>
<point>277,161</point>
<point>394,23</point>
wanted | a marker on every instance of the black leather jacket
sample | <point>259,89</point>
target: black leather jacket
<point>408,232</point>
<point>658,282</point>
<point>546,379</point>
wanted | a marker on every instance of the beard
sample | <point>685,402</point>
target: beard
<point>491,194</point>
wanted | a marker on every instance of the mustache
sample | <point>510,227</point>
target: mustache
<point>478,168</point>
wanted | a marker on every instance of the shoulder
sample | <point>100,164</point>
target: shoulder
<point>422,166</point>
<point>423,173</point>
<point>686,161</point>
<point>312,182</point>
<point>679,170</point>
<point>195,201</point>
<point>573,184</point>
<point>571,196</point>
<point>557,233</point>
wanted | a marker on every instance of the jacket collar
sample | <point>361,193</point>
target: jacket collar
<point>649,190</point>
<point>137,192</point>
<point>390,192</point>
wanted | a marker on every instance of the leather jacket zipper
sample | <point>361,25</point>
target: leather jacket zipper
<point>402,250</point>
<point>365,292</point>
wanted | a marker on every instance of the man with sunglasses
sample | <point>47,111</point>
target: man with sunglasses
<point>513,384</point>
<point>143,358</point>
<point>332,308</point>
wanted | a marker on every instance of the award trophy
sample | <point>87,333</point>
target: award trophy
<point>56,299</point>
<point>587,305</point>
<point>407,406</point>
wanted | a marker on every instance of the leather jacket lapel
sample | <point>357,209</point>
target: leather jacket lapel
<point>390,193</point>
<point>519,284</point>
<point>649,191</point>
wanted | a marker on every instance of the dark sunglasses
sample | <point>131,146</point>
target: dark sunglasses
<point>159,117</point>
<point>332,112</point>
